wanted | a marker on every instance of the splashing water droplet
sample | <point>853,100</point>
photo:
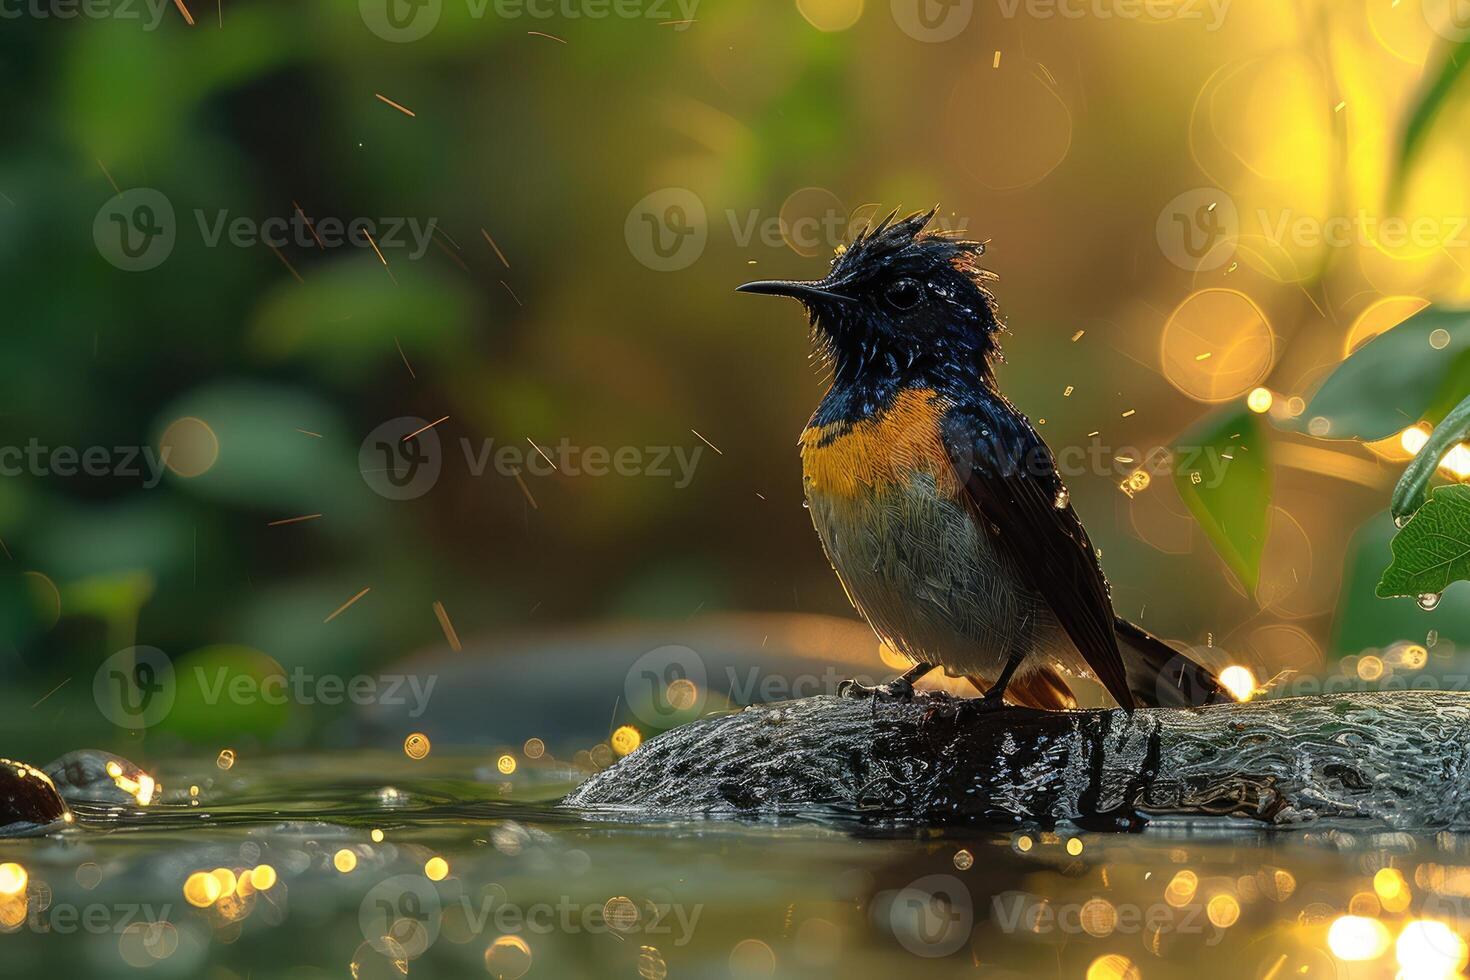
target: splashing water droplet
<point>1428,601</point>
<point>1432,638</point>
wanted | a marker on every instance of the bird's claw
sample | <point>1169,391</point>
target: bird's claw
<point>895,690</point>
<point>989,702</point>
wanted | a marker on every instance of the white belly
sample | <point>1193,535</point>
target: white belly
<point>932,584</point>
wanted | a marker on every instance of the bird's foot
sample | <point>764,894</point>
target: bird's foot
<point>898,689</point>
<point>992,700</point>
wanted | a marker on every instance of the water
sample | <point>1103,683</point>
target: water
<point>294,882</point>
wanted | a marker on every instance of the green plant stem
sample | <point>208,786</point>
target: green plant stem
<point>1413,486</point>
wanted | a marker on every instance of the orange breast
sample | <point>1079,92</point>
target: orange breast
<point>845,458</point>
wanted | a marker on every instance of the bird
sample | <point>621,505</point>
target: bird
<point>939,505</point>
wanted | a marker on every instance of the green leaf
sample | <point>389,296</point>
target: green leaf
<point>1433,549</point>
<point>1421,120</point>
<point>1394,380</point>
<point>1222,471</point>
<point>1361,620</point>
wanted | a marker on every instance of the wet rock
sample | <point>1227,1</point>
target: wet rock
<point>1400,758</point>
<point>29,801</point>
<point>94,776</point>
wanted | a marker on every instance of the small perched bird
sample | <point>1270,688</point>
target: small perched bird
<point>939,505</point>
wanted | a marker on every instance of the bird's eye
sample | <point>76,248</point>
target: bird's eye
<point>904,294</point>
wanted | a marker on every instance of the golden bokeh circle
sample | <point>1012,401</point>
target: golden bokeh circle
<point>508,958</point>
<point>1113,966</point>
<point>813,221</point>
<point>1008,126</point>
<point>189,447</point>
<point>1217,345</point>
<point>417,746</point>
<point>830,15</point>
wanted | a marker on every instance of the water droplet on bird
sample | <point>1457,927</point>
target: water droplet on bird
<point>1063,497</point>
<point>806,505</point>
<point>1428,600</point>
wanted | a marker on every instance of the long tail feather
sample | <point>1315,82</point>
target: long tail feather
<point>1161,677</point>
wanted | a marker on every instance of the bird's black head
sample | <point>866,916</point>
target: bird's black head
<point>900,302</point>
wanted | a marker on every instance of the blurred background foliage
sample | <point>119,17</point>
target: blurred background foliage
<point>1067,142</point>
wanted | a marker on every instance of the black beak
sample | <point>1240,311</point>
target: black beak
<point>794,289</point>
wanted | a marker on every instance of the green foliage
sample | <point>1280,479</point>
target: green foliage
<point>1433,549</point>
<point>1434,98</point>
<point>1408,496</point>
<point>1362,621</point>
<point>1396,379</point>
<point>225,692</point>
<point>1223,475</point>
<point>347,316</point>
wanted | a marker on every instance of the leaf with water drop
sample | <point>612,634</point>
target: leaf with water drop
<point>1433,549</point>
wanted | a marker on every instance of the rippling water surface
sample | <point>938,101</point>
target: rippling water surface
<point>374,865</point>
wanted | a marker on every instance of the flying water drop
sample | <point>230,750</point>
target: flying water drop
<point>1428,600</point>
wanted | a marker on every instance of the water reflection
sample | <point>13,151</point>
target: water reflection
<point>320,867</point>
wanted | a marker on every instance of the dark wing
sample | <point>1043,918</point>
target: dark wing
<point>1009,475</point>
